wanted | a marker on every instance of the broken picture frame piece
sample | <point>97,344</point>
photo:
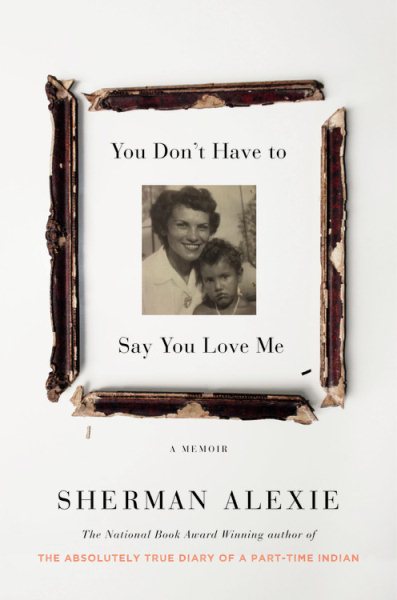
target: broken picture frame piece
<point>333,227</point>
<point>212,95</point>
<point>62,238</point>
<point>193,405</point>
<point>64,299</point>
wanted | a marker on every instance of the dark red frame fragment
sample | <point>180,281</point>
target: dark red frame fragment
<point>333,226</point>
<point>210,95</point>
<point>194,405</point>
<point>61,235</point>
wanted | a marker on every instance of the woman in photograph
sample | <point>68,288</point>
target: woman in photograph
<point>184,220</point>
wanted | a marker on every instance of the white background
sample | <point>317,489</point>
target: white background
<point>349,46</point>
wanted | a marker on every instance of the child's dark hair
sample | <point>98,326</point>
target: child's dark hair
<point>216,249</point>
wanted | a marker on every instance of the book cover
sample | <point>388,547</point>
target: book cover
<point>219,418</point>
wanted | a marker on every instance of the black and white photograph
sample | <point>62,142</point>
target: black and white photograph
<point>199,250</point>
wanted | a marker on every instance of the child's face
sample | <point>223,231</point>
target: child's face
<point>220,282</point>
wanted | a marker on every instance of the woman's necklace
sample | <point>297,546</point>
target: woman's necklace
<point>234,309</point>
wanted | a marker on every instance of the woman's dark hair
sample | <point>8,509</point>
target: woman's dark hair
<point>218,249</point>
<point>189,196</point>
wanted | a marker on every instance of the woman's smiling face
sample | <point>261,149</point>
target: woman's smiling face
<point>188,231</point>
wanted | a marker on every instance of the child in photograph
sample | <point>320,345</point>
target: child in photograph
<point>220,271</point>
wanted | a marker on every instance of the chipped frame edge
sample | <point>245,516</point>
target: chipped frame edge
<point>62,238</point>
<point>209,95</point>
<point>193,405</point>
<point>333,259</point>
